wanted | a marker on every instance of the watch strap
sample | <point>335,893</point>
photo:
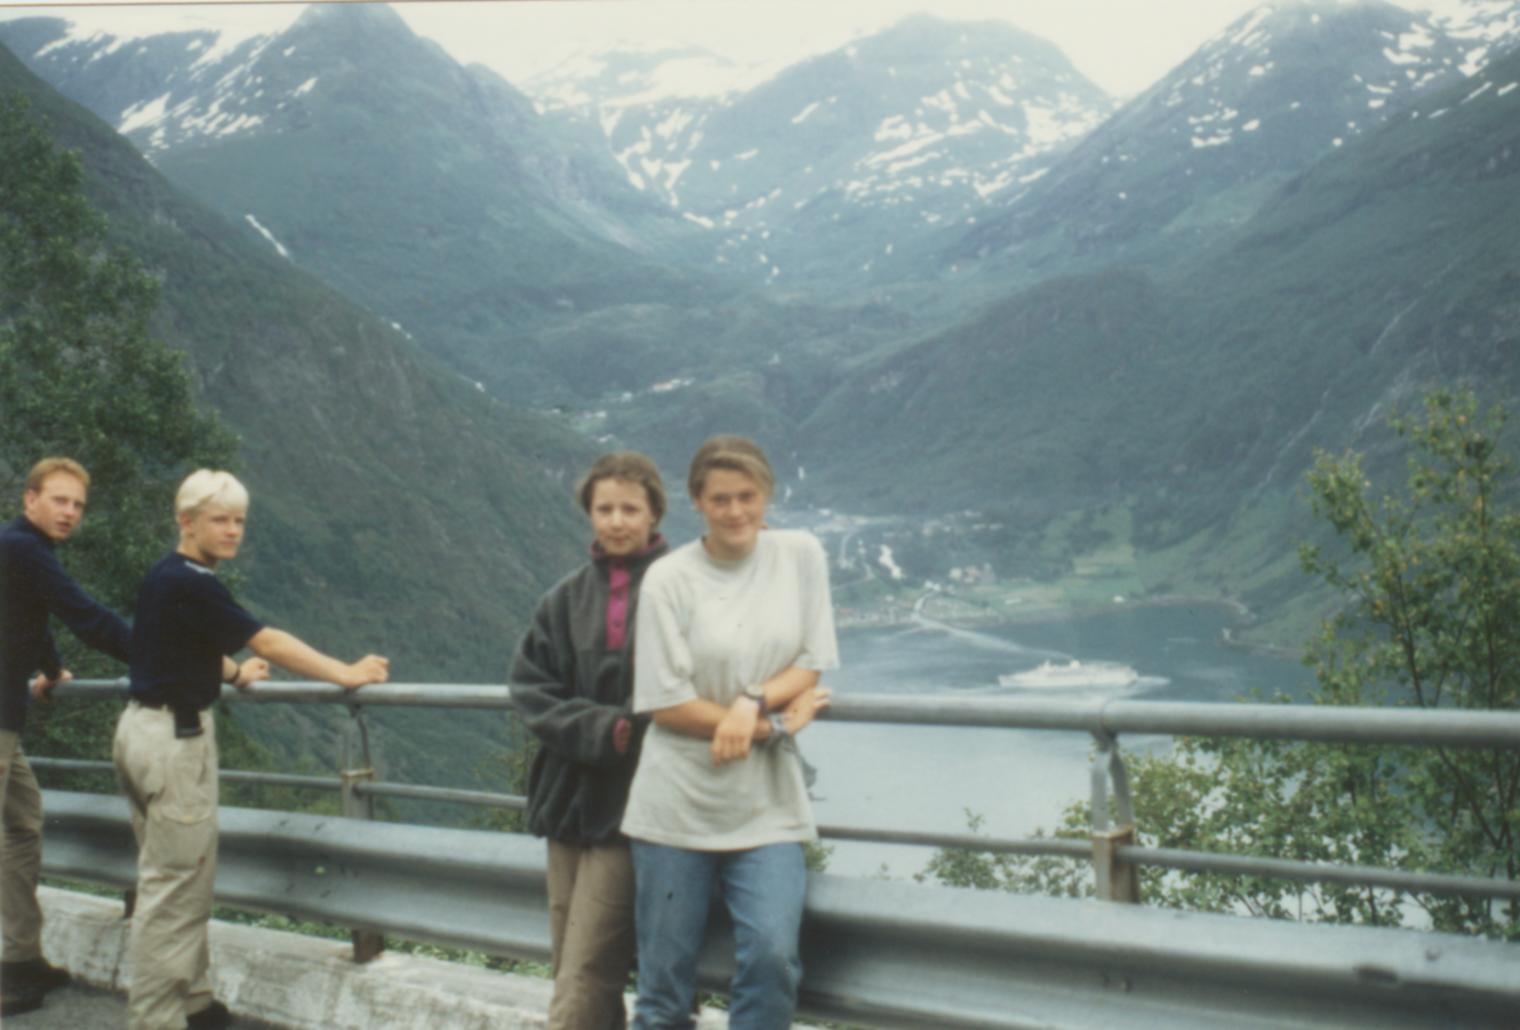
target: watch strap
<point>778,729</point>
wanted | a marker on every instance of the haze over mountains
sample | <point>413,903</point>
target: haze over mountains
<point>934,271</point>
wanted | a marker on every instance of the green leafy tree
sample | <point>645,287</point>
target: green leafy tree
<point>1430,577</point>
<point>1432,620</point>
<point>81,375</point>
<point>1023,874</point>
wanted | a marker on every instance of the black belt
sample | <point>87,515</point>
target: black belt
<point>187,718</point>
<point>163,704</point>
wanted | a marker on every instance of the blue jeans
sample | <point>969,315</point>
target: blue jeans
<point>763,889</point>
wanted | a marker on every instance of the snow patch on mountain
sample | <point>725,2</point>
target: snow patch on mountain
<point>802,115</point>
<point>119,25</point>
<point>278,246</point>
<point>1243,59</point>
<point>139,115</point>
<point>1486,28</point>
<point>214,88</point>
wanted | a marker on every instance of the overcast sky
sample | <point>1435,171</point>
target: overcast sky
<point>1122,45</point>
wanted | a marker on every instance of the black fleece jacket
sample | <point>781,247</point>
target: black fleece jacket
<point>571,688</point>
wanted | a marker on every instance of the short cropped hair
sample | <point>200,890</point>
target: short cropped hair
<point>48,466</point>
<point>210,486</point>
<point>630,466</point>
<point>734,453</point>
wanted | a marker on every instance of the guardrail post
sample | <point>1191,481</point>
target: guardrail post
<point>1113,880</point>
<point>358,767</point>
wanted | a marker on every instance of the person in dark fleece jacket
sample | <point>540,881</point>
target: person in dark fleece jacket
<point>33,586</point>
<point>572,683</point>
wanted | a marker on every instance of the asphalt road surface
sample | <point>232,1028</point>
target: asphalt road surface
<point>76,1007</point>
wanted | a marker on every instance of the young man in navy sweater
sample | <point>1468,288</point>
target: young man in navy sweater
<point>33,585</point>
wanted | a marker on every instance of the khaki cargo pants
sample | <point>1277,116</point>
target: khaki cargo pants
<point>171,788</point>
<point>21,853</point>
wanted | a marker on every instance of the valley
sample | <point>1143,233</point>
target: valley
<point>1055,352</point>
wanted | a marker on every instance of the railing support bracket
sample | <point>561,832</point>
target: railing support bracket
<point>1115,880</point>
<point>359,767</point>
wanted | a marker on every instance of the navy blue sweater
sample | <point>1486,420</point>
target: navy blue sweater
<point>185,622</point>
<point>33,585</point>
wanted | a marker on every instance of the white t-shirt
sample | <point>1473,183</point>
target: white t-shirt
<point>707,629</point>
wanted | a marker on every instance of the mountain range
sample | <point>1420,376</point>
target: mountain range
<point>1219,134</point>
<point>936,271</point>
<point>815,173</point>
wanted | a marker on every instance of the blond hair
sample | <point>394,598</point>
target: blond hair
<point>210,486</point>
<point>49,466</point>
<point>734,453</point>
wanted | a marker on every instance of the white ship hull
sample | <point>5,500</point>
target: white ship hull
<point>1050,675</point>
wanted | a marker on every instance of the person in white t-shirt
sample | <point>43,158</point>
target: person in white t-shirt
<point>733,633</point>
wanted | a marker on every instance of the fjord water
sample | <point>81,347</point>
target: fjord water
<point>928,778</point>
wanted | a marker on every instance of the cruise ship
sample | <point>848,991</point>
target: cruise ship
<point>1072,674</point>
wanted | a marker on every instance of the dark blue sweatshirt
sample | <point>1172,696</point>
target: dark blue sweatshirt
<point>33,585</point>
<point>185,622</point>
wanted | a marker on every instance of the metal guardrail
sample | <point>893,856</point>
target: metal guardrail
<point>1111,847</point>
<point>875,952</point>
<point>1099,717</point>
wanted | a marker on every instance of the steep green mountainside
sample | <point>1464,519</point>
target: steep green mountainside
<point>950,407</point>
<point>401,179</point>
<point>426,191</point>
<point>1189,393</point>
<point>395,507</point>
<point>1386,268</point>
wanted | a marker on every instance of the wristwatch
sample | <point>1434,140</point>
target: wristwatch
<point>757,695</point>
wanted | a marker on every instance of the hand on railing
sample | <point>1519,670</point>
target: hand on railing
<point>42,686</point>
<point>370,669</point>
<point>250,672</point>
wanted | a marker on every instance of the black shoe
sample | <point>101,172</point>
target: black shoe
<point>35,973</point>
<point>19,999</point>
<point>213,1017</point>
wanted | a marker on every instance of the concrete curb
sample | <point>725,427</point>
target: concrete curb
<point>310,983</point>
<point>304,982</point>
